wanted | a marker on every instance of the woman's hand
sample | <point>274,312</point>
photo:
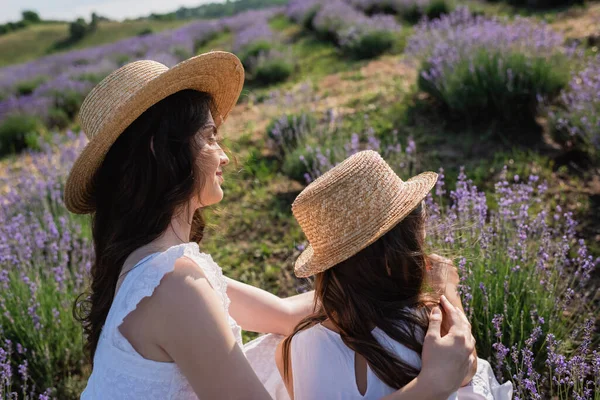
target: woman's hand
<point>446,360</point>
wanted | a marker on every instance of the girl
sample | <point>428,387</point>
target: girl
<point>161,320</point>
<point>366,229</point>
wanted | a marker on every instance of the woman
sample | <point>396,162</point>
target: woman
<point>161,320</point>
<point>366,229</point>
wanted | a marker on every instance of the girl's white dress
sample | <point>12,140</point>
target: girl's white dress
<point>122,373</point>
<point>323,368</point>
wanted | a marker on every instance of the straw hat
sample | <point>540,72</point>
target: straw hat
<point>351,206</point>
<point>126,93</point>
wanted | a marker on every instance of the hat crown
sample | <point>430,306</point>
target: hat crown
<point>119,86</point>
<point>338,214</point>
<point>351,206</point>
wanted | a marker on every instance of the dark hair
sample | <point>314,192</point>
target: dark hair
<point>383,285</point>
<point>137,192</point>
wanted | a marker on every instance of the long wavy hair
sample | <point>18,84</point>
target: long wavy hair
<point>149,174</point>
<point>384,286</point>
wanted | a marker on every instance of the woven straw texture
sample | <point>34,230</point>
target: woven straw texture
<point>126,93</point>
<point>351,206</point>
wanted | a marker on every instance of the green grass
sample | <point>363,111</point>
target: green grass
<point>39,40</point>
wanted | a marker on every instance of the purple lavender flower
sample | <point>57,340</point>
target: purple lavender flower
<point>576,124</point>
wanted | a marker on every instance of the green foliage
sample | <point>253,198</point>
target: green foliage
<point>437,8</point>
<point>145,31</point>
<point>199,43</point>
<point>94,22</point>
<point>544,3</point>
<point>78,29</point>
<point>295,164</point>
<point>414,12</point>
<point>24,88</point>
<point>31,16</point>
<point>68,100</point>
<point>28,18</point>
<point>309,18</point>
<point>91,77</point>
<point>217,10</point>
<point>18,132</point>
<point>253,50</point>
<point>271,71</point>
<point>57,118</point>
<point>286,132</point>
<point>571,129</point>
<point>181,53</point>
<point>12,26</point>
<point>479,88</point>
<point>121,59</point>
<point>54,350</point>
<point>369,45</point>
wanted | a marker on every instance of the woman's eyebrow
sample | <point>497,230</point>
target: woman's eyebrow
<point>213,128</point>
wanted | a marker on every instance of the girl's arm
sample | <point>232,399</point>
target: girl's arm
<point>257,310</point>
<point>446,360</point>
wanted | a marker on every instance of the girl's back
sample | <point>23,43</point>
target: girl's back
<point>324,367</point>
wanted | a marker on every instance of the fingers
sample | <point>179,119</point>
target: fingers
<point>451,311</point>
<point>435,324</point>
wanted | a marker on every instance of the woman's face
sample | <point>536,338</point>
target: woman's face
<point>211,159</point>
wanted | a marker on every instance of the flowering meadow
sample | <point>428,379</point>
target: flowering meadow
<point>53,87</point>
<point>481,67</point>
<point>356,33</point>
<point>576,120</point>
<point>528,269</point>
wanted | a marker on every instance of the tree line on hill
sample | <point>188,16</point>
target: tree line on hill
<point>29,17</point>
<point>216,10</point>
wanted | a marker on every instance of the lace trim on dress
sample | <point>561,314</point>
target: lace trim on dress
<point>148,277</point>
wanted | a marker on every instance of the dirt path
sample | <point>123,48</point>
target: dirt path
<point>383,78</point>
<point>580,24</point>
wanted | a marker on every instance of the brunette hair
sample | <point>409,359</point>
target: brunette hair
<point>148,174</point>
<point>383,285</point>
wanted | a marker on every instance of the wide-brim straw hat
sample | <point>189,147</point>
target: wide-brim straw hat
<point>124,95</point>
<point>351,206</point>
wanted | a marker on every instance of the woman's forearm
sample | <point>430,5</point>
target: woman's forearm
<point>419,388</point>
<point>257,310</point>
<point>299,306</point>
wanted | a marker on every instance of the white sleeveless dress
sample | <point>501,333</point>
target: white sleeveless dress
<point>122,373</point>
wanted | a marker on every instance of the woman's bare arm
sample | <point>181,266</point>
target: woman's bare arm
<point>196,334</point>
<point>257,310</point>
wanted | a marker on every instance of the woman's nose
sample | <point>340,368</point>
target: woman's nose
<point>224,159</point>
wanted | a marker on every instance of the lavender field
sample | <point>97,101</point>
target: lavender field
<point>503,103</point>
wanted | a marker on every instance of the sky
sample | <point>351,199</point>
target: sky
<point>10,10</point>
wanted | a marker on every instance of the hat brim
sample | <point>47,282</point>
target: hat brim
<point>414,192</point>
<point>218,73</point>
